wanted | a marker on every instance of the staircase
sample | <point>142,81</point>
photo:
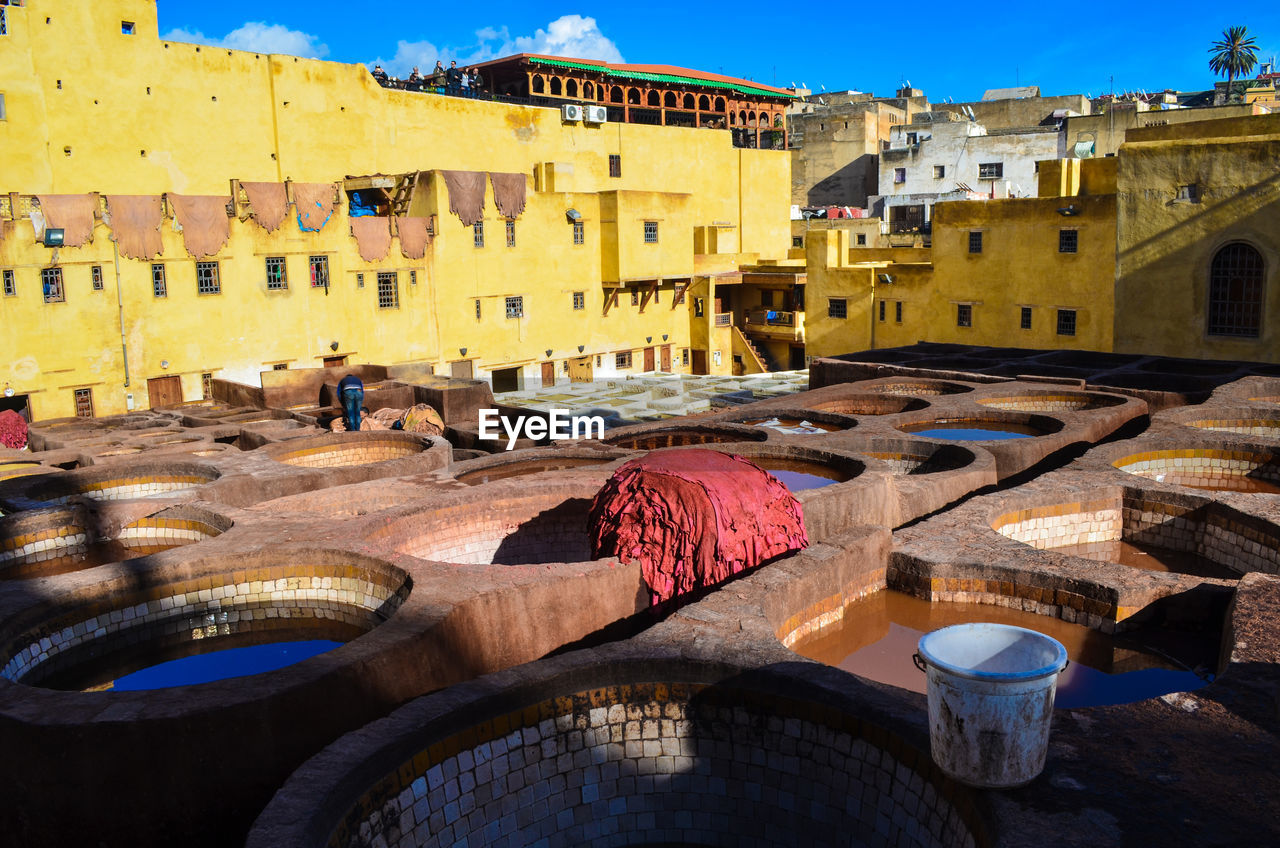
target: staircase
<point>764,361</point>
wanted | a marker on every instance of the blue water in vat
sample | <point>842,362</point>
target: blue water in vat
<point>970,434</point>
<point>221,665</point>
<point>798,481</point>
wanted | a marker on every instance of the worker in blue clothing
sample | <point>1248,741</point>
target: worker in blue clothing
<point>351,399</point>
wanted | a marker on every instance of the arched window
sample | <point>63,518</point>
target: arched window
<point>704,103</point>
<point>633,96</point>
<point>1235,292</point>
<point>719,104</point>
<point>588,91</point>
<point>615,94</point>
<point>777,120</point>
<point>538,85</point>
<point>655,99</point>
<point>571,88</point>
<point>733,119</point>
<point>742,117</point>
<point>688,101</point>
<point>669,100</point>
<point>751,119</point>
<point>764,119</point>
<point>555,86</point>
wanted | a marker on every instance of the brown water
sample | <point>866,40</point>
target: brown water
<point>879,634</point>
<point>1150,558</point>
<point>798,475</point>
<point>794,426</point>
<point>519,469</point>
<point>1236,483</point>
<point>91,556</point>
<point>673,439</point>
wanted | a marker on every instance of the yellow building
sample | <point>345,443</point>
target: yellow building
<point>611,267</point>
<point>1032,272</point>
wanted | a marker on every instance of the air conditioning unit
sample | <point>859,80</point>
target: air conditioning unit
<point>571,112</point>
<point>597,115</point>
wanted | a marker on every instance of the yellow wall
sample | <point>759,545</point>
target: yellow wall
<point>141,116</point>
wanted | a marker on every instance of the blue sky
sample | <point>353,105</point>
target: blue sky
<point>946,50</point>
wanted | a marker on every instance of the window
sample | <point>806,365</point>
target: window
<point>862,238</point>
<point>1066,322</point>
<point>158,286</point>
<point>51,282</point>
<point>359,281</point>
<point>208,281</point>
<point>84,403</point>
<point>797,241</point>
<point>975,241</point>
<point>939,171</point>
<point>127,27</point>
<point>579,232</point>
<point>515,306</point>
<point>477,233</point>
<point>622,360</point>
<point>897,312</point>
<point>882,310</point>
<point>1187,194</point>
<point>206,385</point>
<point>4,22</point>
<point>388,290</point>
<point>511,233</point>
<point>413,278</point>
<point>635,297</point>
<point>913,138</point>
<point>95,277</point>
<point>679,296</point>
<point>991,170</point>
<point>277,277</point>
<point>1025,320</point>
<point>1235,292</point>
<point>899,175</point>
<point>280,366</point>
<point>615,165</point>
<point>837,308</point>
<point>1067,241</point>
<point>10,287</point>
<point>319,268</point>
<point>650,232</point>
<point>3,115</point>
<point>579,300</point>
<point>477,309</point>
<point>684,356</point>
<point>964,315</point>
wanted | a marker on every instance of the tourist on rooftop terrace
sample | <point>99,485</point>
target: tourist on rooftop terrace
<point>437,75</point>
<point>453,79</point>
<point>477,82</point>
<point>351,398</point>
<point>466,82</point>
<point>379,75</point>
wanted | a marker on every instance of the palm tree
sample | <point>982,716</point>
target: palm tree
<point>1233,56</point>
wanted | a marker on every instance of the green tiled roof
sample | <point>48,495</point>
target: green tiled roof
<point>648,77</point>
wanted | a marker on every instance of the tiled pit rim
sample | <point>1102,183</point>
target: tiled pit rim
<point>120,482</point>
<point>626,759</point>
<point>1052,401</point>
<point>832,419</point>
<point>347,449</point>
<point>647,437</point>
<point>1044,425</point>
<point>1202,466</point>
<point>580,459</point>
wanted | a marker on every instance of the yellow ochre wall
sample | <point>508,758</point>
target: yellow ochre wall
<point>90,109</point>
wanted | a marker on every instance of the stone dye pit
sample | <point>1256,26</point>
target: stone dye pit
<point>1052,401</point>
<point>522,468</point>
<point>120,482</point>
<point>674,437</point>
<point>1211,469</point>
<point>983,428</point>
<point>347,449</point>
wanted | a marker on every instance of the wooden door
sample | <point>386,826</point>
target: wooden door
<point>164,391</point>
<point>666,358</point>
<point>548,373</point>
<point>460,370</point>
<point>334,361</point>
<point>699,361</point>
<point>580,370</point>
<point>648,359</point>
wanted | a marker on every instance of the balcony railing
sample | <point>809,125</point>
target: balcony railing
<point>724,319</point>
<point>771,318</point>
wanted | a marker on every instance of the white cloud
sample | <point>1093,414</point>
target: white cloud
<point>572,36</point>
<point>258,37</point>
<point>409,55</point>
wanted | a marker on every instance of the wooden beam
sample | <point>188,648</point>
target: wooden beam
<point>610,300</point>
<point>649,293</point>
<point>678,297</point>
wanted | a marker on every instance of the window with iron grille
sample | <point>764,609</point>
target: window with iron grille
<point>579,232</point>
<point>615,165</point>
<point>206,385</point>
<point>277,277</point>
<point>899,175</point>
<point>4,23</point>
<point>579,300</point>
<point>939,171</point>
<point>359,281</point>
<point>280,366</point>
<point>319,268</point>
<point>837,308</point>
<point>159,287</point>
<point>897,312</point>
<point>635,297</point>
<point>990,170</point>
<point>684,356</point>
<point>511,233</point>
<point>797,241</point>
<point>51,282</point>
<point>515,306</point>
<point>1235,291</point>
<point>477,233</point>
<point>388,290</point>
<point>95,277</point>
<point>208,280</point>
<point>84,403</point>
<point>10,286</point>
<point>477,309</point>
<point>413,278</point>
<point>883,309</point>
<point>622,360</point>
<point>975,241</point>
<point>679,296</point>
<point>1025,318</point>
<point>1066,322</point>
<point>964,315</point>
<point>862,238</point>
<point>1067,241</point>
<point>650,232</point>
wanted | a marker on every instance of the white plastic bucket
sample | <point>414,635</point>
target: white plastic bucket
<point>991,689</point>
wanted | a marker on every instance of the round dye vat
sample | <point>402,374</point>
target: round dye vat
<point>60,561</point>
<point>798,475</point>
<point>220,665</point>
<point>984,431</point>
<point>1149,557</point>
<point>1211,469</point>
<point>675,438</point>
<point>793,426</point>
<point>878,635</point>
<point>520,469</point>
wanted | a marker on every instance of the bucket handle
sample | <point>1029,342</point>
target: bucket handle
<point>920,663</point>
